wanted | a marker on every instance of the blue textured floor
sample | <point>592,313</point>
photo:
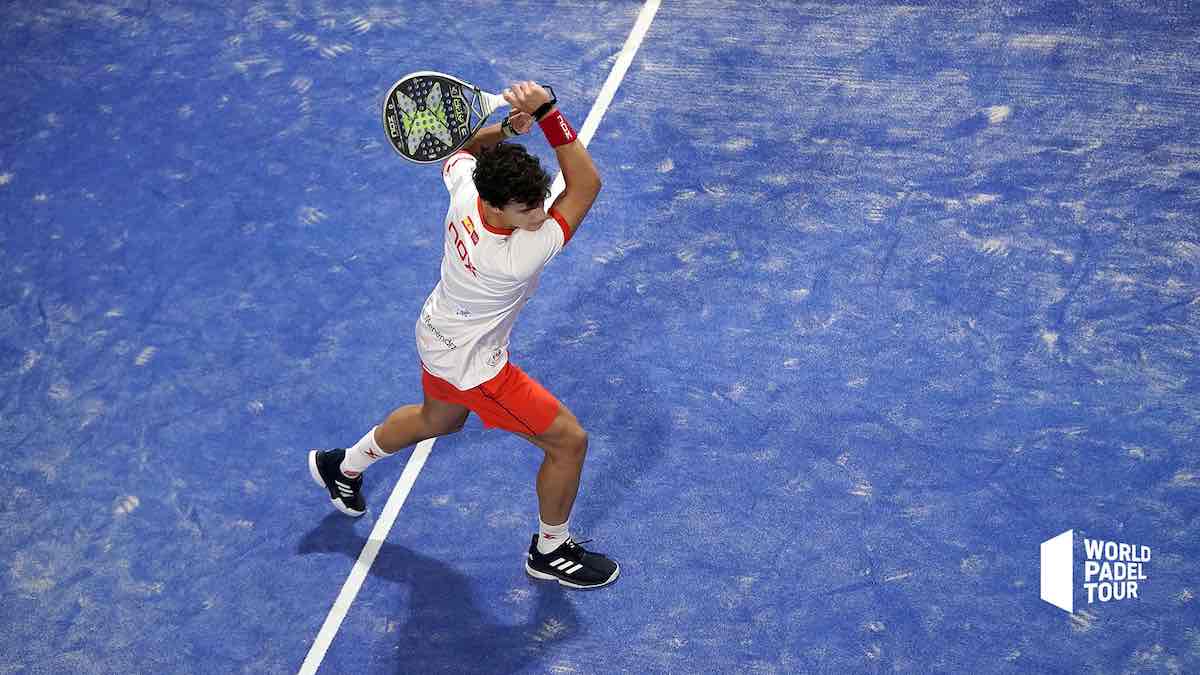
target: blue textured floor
<point>876,298</point>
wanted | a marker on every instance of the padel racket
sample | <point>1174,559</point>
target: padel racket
<point>427,115</point>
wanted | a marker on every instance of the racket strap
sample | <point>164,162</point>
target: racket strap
<point>557,129</point>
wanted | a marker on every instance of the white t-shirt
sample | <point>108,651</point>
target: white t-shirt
<point>488,274</point>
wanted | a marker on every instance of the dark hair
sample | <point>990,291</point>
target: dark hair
<point>506,173</point>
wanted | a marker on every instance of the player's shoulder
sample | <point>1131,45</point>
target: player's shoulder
<point>530,251</point>
<point>461,187</point>
<point>459,160</point>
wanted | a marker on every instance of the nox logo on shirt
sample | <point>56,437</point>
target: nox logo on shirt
<point>462,250</point>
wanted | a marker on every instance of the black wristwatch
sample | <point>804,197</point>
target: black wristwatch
<point>506,128</point>
<point>545,107</point>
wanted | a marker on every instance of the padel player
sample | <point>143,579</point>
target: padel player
<point>498,237</point>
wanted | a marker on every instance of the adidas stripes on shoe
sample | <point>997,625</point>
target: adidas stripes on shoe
<point>571,565</point>
<point>345,493</point>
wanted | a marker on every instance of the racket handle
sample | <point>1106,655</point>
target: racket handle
<point>491,102</point>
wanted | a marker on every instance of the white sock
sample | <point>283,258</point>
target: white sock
<point>364,453</point>
<point>551,537</point>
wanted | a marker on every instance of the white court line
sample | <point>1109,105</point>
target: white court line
<point>316,654</point>
<point>645,17</point>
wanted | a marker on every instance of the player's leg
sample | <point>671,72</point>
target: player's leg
<point>565,447</point>
<point>515,402</point>
<point>412,424</point>
<point>553,554</point>
<point>340,471</point>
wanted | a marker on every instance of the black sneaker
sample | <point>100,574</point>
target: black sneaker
<point>345,493</point>
<point>571,565</point>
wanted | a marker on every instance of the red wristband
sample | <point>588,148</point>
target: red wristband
<point>557,129</point>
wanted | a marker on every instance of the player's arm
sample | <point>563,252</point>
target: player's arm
<point>580,176</point>
<point>582,180</point>
<point>517,123</point>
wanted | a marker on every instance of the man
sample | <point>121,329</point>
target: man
<point>498,237</point>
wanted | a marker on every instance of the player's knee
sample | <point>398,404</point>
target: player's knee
<point>575,444</point>
<point>453,426</point>
<point>441,426</point>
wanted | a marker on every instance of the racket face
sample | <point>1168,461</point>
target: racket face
<point>427,116</point>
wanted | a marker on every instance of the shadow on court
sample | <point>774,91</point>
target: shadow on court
<point>445,629</point>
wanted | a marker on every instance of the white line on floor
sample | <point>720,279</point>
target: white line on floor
<point>645,17</point>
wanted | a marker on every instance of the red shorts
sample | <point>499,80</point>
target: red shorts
<point>511,400</point>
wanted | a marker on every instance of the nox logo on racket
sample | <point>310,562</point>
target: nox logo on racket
<point>458,112</point>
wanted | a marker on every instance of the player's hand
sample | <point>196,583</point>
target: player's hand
<point>521,122</point>
<point>526,97</point>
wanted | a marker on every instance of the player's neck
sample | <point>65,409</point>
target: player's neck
<point>494,219</point>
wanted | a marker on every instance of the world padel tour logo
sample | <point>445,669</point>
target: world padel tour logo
<point>1111,570</point>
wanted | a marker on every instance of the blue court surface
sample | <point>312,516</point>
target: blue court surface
<point>876,299</point>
